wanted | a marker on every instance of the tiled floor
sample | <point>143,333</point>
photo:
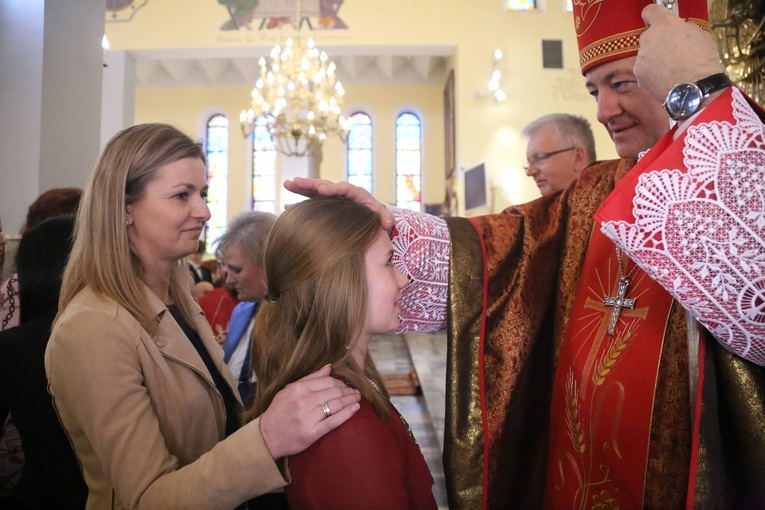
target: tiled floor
<point>425,413</point>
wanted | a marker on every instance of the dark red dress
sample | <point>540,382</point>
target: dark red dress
<point>366,463</point>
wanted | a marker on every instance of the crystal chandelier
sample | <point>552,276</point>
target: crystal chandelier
<point>299,98</point>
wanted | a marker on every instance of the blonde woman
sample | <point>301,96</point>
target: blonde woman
<point>136,375</point>
<point>331,287</point>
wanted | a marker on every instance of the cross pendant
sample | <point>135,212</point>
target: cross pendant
<point>618,302</point>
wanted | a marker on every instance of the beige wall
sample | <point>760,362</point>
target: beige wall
<point>486,131</point>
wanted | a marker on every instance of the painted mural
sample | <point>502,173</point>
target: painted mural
<point>273,14</point>
<point>122,10</point>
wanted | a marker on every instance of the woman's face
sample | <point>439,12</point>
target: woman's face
<point>384,284</point>
<point>245,276</point>
<point>166,223</point>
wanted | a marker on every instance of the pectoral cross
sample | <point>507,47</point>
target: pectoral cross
<point>618,302</point>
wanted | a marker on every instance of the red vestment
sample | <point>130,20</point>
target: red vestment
<point>513,282</point>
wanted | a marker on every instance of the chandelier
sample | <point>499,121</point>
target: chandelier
<point>298,98</point>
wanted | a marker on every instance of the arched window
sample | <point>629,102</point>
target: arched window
<point>360,151</point>
<point>217,178</point>
<point>263,169</point>
<point>408,161</point>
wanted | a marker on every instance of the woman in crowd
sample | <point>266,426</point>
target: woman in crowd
<point>135,373</point>
<point>50,477</point>
<point>51,203</point>
<point>331,286</point>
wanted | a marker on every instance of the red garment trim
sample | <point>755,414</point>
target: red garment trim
<point>689,498</point>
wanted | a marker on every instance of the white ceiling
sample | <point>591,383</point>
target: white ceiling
<point>235,67</point>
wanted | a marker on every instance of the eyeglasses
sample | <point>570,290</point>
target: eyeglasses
<point>541,158</point>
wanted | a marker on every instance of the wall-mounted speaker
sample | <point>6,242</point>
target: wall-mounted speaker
<point>552,54</point>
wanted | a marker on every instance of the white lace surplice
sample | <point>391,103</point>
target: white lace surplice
<point>700,232</point>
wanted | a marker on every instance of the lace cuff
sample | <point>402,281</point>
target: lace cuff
<point>421,249</point>
<point>698,224</point>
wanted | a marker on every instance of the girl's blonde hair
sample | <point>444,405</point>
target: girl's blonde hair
<point>317,299</point>
<point>101,257</point>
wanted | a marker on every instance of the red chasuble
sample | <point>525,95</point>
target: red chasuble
<point>686,216</point>
<point>604,385</point>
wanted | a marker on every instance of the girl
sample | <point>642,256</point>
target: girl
<point>331,286</point>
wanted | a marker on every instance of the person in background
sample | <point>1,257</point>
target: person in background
<point>242,247</point>
<point>201,289</point>
<point>199,272</point>
<point>51,476</point>
<point>219,304</point>
<point>331,287</point>
<point>54,202</point>
<point>560,146</point>
<point>136,376</point>
<point>51,203</point>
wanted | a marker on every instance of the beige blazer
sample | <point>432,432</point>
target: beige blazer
<point>144,415</point>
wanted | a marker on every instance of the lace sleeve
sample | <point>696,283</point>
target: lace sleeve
<point>421,248</point>
<point>699,224</point>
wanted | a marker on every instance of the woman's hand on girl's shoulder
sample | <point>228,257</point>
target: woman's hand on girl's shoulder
<point>305,410</point>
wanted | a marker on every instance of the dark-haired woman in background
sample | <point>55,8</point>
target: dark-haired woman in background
<point>51,476</point>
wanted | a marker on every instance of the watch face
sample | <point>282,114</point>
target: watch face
<point>683,100</point>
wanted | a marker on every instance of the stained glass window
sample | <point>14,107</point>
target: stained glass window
<point>217,178</point>
<point>521,5</point>
<point>360,151</point>
<point>408,161</point>
<point>263,169</point>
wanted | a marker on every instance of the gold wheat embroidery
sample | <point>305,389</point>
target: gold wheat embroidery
<point>609,359</point>
<point>573,416</point>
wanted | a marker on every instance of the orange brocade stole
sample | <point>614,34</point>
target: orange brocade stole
<point>604,386</point>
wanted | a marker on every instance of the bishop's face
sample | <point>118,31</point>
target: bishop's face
<point>634,120</point>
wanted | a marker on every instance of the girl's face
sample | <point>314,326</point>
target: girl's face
<point>384,284</point>
<point>166,223</point>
